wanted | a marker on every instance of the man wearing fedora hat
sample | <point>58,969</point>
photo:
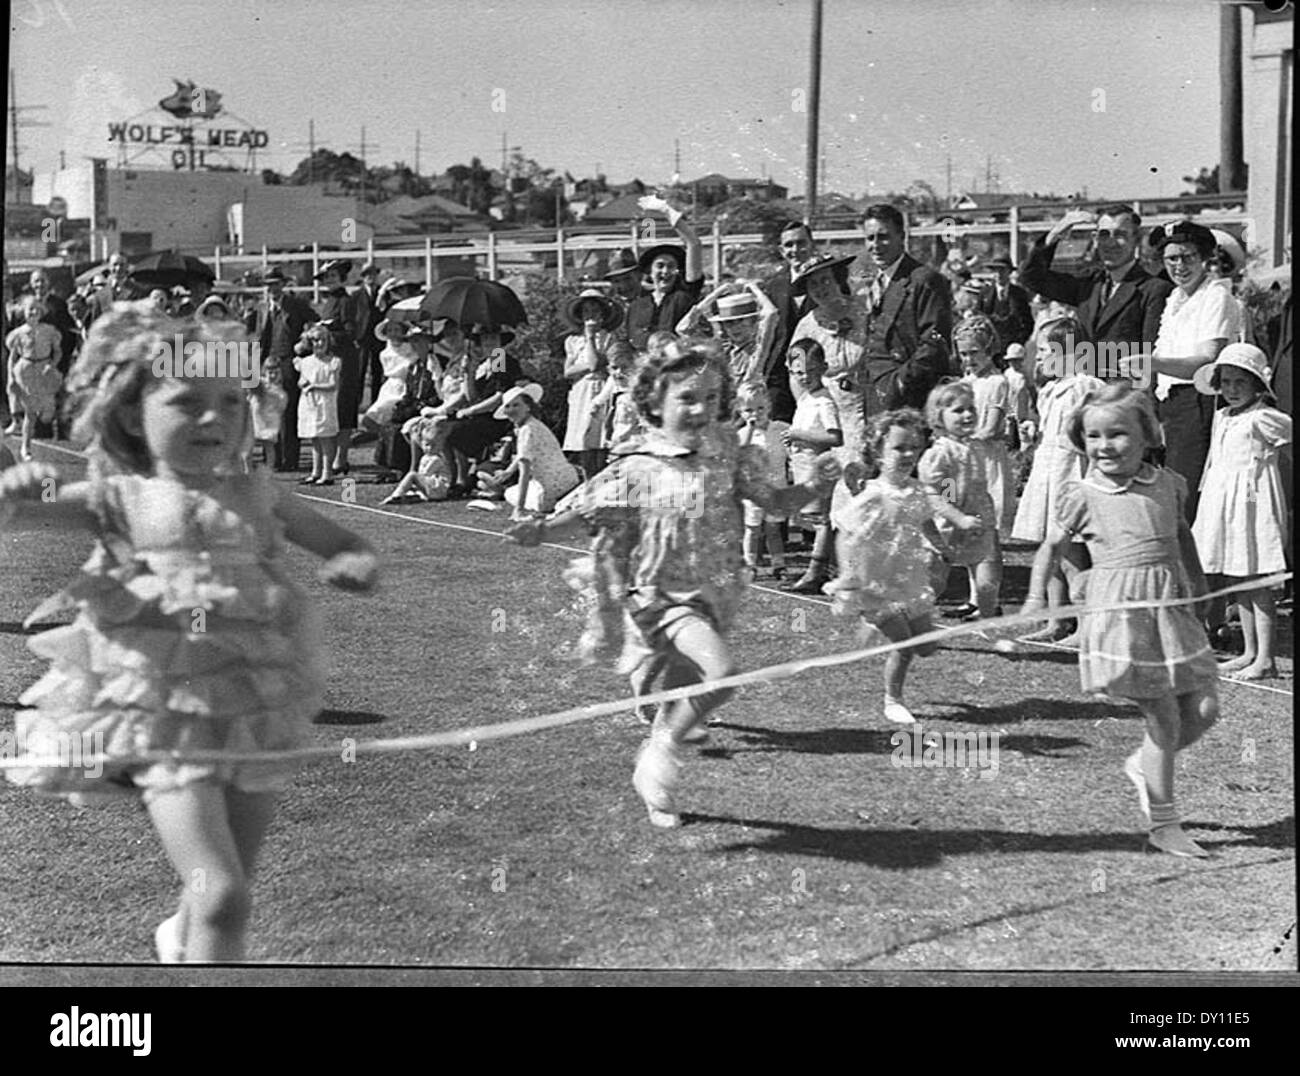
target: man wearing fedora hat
<point>367,298</point>
<point>676,278</point>
<point>276,323</point>
<point>625,278</point>
<point>1007,305</point>
<point>1118,304</point>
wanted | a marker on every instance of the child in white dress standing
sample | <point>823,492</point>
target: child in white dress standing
<point>978,351</point>
<point>814,429</point>
<point>593,317</point>
<point>318,412</point>
<point>1056,461</point>
<point>1240,527</point>
<point>267,400</point>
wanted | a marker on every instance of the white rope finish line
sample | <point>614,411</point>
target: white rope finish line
<point>507,729</point>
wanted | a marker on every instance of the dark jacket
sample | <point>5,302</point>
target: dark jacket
<point>908,343</point>
<point>299,315</point>
<point>1131,317</point>
<point>777,288</point>
<point>1011,316</point>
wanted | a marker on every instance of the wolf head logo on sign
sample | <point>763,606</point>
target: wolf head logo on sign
<point>189,101</point>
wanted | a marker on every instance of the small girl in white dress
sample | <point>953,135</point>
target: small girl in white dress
<point>1055,460</point>
<point>318,403</point>
<point>593,317</point>
<point>1240,526</point>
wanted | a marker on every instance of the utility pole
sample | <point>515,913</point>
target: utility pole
<point>15,123</point>
<point>988,173</point>
<point>1231,158</point>
<point>417,153</point>
<point>814,109</point>
<point>949,205</point>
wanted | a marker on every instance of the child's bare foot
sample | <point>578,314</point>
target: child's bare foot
<point>1256,670</point>
<point>1236,664</point>
<point>1171,838</point>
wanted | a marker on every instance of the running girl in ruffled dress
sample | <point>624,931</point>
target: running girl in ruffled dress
<point>1130,514</point>
<point>1240,526</point>
<point>189,634</point>
<point>666,575</point>
<point>890,549</point>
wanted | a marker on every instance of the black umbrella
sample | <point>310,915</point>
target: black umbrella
<point>468,301</point>
<point>168,269</point>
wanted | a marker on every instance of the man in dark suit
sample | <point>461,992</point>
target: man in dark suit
<point>367,298</point>
<point>797,246</point>
<point>908,340</point>
<point>119,289</point>
<point>1007,305</point>
<point>276,324</point>
<point>1118,304</point>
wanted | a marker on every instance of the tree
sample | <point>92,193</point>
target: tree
<point>472,186</point>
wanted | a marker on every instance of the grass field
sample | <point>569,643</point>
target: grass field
<point>805,846</point>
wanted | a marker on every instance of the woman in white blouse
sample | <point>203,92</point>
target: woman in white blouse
<point>1199,319</point>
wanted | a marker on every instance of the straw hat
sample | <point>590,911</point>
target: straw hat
<point>736,307</point>
<point>611,312</point>
<point>532,390</point>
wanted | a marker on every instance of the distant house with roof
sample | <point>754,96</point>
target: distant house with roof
<point>714,188</point>
<point>431,214</point>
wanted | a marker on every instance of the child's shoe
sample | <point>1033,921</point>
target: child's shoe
<point>167,940</point>
<point>896,712</point>
<point>1171,838</point>
<point>655,778</point>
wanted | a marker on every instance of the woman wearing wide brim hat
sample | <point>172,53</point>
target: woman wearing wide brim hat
<point>593,318</point>
<point>609,314</point>
<point>839,323</point>
<point>676,277</point>
<point>347,317</point>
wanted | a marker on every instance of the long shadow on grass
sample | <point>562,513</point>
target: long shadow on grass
<point>15,627</point>
<point>1035,710</point>
<point>348,717</point>
<point>867,742</point>
<point>904,849</point>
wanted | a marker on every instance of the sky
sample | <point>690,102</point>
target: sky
<point>1118,97</point>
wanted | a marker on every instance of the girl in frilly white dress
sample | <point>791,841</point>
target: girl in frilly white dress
<point>189,634</point>
<point>1240,526</point>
